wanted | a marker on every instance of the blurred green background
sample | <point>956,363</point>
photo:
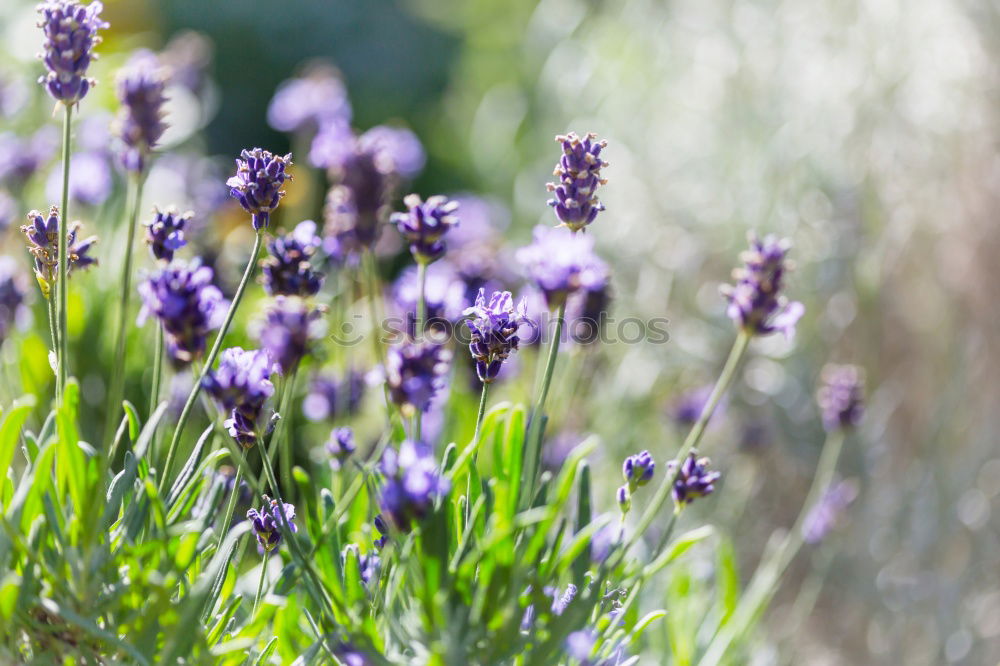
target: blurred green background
<point>865,131</point>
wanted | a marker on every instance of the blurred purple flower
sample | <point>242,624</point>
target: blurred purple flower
<point>165,233</point>
<point>70,31</point>
<point>415,372</point>
<point>340,445</point>
<point>90,179</point>
<point>579,173</point>
<point>444,297</point>
<point>309,102</point>
<point>289,327</point>
<point>756,303</point>
<point>242,384</point>
<point>395,146</point>
<point>8,210</point>
<point>560,262</point>
<point>13,95</point>
<point>288,268</point>
<point>823,516</point>
<point>186,303</point>
<point>267,523</point>
<point>841,397</point>
<point>22,157</point>
<point>494,327</point>
<point>412,483</point>
<point>13,293</point>
<point>140,85</point>
<point>257,184</point>
<point>580,644</point>
<point>329,397</point>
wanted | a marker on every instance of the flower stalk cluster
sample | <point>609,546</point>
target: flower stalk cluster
<point>70,30</point>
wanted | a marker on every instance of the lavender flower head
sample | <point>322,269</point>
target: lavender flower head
<point>444,297</point>
<point>70,30</point>
<point>624,499</point>
<point>415,372</point>
<point>310,102</point>
<point>694,479</point>
<point>560,262</point>
<point>289,327</point>
<point>340,446</point>
<point>638,470</point>
<point>396,148</point>
<point>140,86</point>
<point>188,306</point>
<point>12,296</point>
<point>257,183</point>
<point>165,233</point>
<point>756,303</point>
<point>241,385</point>
<point>288,268</point>
<point>580,644</point>
<point>823,516</point>
<point>841,397</point>
<point>267,522</point>
<point>90,179</point>
<point>494,331</point>
<point>425,224</point>
<point>329,396</point>
<point>412,483</point>
<point>42,232</point>
<point>579,173</point>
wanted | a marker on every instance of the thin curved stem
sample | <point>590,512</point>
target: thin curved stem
<point>282,428</point>
<point>53,328</point>
<point>482,412</point>
<point>62,284</point>
<point>209,361</point>
<point>231,504</point>
<point>260,586</point>
<point>691,441</point>
<point>154,389</point>
<point>135,183</point>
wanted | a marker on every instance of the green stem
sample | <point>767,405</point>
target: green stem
<point>282,428</point>
<point>482,412</point>
<point>260,586</point>
<point>134,197</point>
<point>53,328</point>
<point>371,274</point>
<point>663,492</point>
<point>418,332</point>
<point>62,284</point>
<point>209,361</point>
<point>765,580</point>
<point>154,389</point>
<point>231,504</point>
<point>534,435</point>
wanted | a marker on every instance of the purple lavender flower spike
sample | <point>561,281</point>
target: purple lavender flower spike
<point>638,470</point>
<point>22,157</point>
<point>257,183</point>
<point>624,499</point>
<point>330,397</point>
<point>560,262</point>
<point>412,483</point>
<point>396,148</point>
<point>425,224</point>
<point>241,385</point>
<point>70,32</point>
<point>579,173</point>
<point>415,372</point>
<point>494,331</point>
<point>694,479</point>
<point>289,327</point>
<point>383,530</point>
<point>140,86</point>
<point>268,521</point>
<point>165,233</point>
<point>288,269</point>
<point>42,232</point>
<point>188,306</point>
<point>13,293</point>
<point>310,102</point>
<point>841,397</point>
<point>580,644</point>
<point>756,303</point>
<point>340,446</point>
<point>823,516</point>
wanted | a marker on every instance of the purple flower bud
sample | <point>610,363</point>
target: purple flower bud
<point>624,499</point>
<point>13,293</point>
<point>383,530</point>
<point>42,233</point>
<point>415,372</point>
<point>330,397</point>
<point>70,36</point>
<point>289,327</point>
<point>638,469</point>
<point>288,268</point>
<point>309,102</point>
<point>841,397</point>
<point>340,446</point>
<point>242,385</point>
<point>140,125</point>
<point>257,183</point>
<point>425,224</point>
<point>756,303</point>
<point>165,233</point>
<point>188,306</point>
<point>560,262</point>
<point>494,331</point>
<point>268,521</point>
<point>579,173</point>
<point>694,479</point>
<point>412,484</point>
<point>823,516</point>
